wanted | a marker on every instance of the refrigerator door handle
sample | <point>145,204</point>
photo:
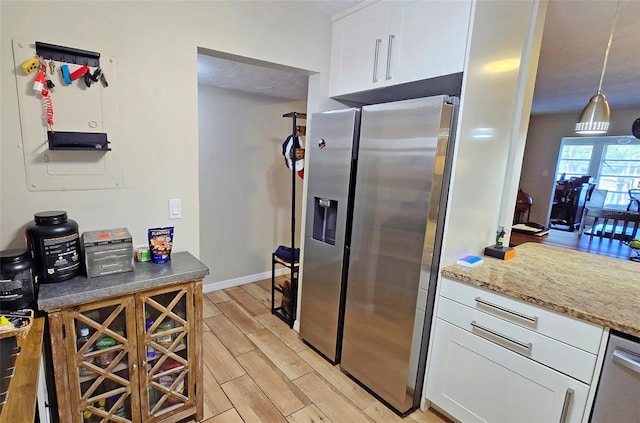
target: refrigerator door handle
<point>626,359</point>
<point>375,60</point>
<point>391,38</point>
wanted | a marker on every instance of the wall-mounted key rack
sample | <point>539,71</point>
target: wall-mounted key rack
<point>68,54</point>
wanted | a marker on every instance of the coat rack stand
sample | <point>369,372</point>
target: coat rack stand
<point>286,311</point>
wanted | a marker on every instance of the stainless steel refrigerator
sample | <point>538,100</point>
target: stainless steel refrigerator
<point>377,187</point>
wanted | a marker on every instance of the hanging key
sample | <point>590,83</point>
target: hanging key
<point>50,84</point>
<point>90,78</point>
<point>96,75</point>
<point>87,79</point>
<point>52,67</point>
<point>103,79</point>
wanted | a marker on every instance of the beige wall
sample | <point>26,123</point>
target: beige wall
<point>155,44</point>
<point>541,153</point>
<point>245,188</point>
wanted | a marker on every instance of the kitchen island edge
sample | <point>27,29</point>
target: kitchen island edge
<point>600,290</point>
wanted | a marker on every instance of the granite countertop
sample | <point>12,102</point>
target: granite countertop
<point>183,266</point>
<point>598,289</point>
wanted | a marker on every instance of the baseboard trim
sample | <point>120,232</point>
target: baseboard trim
<point>230,283</point>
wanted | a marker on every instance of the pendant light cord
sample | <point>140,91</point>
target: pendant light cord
<point>606,53</point>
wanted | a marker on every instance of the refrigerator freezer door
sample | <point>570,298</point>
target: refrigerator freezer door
<point>329,148</point>
<point>401,168</point>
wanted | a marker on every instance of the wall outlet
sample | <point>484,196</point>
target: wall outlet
<point>175,208</point>
<point>545,172</point>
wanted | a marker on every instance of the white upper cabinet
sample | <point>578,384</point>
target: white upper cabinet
<point>431,38</point>
<point>390,43</point>
<point>359,49</point>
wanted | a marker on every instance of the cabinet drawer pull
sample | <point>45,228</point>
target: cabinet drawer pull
<point>527,346</point>
<point>532,319</point>
<point>375,60</point>
<point>568,396</point>
<point>391,38</point>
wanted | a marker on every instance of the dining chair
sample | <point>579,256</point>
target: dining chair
<point>634,200</point>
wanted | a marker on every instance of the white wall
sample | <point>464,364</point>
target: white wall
<point>155,44</point>
<point>245,188</point>
<point>541,153</point>
<point>486,170</point>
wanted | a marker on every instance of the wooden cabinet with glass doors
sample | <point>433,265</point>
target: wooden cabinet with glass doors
<point>134,358</point>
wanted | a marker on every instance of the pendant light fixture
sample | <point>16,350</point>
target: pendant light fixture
<point>594,118</point>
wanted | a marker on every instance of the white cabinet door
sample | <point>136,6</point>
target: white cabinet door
<point>428,39</point>
<point>390,43</point>
<point>475,380</point>
<point>359,50</point>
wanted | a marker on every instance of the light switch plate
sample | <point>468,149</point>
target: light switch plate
<point>175,208</point>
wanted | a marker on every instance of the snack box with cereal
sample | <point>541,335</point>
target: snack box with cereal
<point>160,244</point>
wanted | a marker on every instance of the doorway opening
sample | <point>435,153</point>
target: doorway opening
<point>244,184</point>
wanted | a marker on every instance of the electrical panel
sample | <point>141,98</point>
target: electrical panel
<point>57,158</point>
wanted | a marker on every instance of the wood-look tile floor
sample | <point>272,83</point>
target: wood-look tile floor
<point>256,369</point>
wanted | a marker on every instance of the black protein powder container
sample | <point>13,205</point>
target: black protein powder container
<point>55,244</point>
<point>17,287</point>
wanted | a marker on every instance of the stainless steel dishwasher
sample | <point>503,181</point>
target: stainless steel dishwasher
<point>618,395</point>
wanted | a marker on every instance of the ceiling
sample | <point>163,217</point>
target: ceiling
<point>573,44</point>
<point>251,78</point>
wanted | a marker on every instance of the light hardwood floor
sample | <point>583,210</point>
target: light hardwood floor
<point>256,369</point>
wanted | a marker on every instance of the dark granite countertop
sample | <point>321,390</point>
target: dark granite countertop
<point>183,266</point>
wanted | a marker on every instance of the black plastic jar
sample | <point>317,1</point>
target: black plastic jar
<point>17,287</point>
<point>55,244</point>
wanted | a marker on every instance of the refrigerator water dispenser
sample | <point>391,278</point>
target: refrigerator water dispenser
<point>324,220</point>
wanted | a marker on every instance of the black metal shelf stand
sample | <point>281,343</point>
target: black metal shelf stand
<point>288,316</point>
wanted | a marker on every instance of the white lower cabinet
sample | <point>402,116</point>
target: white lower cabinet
<point>564,358</point>
<point>475,380</point>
